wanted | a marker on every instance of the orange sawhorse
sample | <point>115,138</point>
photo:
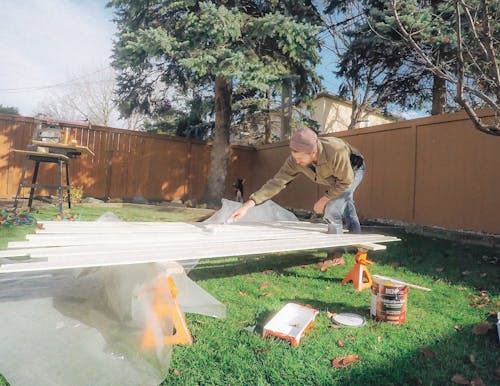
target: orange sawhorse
<point>359,274</point>
<point>165,308</point>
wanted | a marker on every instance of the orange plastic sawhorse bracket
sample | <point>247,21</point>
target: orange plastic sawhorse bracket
<point>359,274</point>
<point>166,307</point>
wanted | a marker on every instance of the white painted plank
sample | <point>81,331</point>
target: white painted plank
<point>372,246</point>
<point>177,254</point>
<point>156,242</point>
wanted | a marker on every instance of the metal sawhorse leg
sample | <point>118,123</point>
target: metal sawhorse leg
<point>60,160</point>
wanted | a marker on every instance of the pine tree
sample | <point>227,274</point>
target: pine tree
<point>230,47</point>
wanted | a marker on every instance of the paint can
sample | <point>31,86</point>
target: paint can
<point>389,298</point>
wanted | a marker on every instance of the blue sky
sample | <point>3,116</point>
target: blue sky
<point>48,42</point>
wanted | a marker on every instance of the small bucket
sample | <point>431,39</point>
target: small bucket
<point>388,302</point>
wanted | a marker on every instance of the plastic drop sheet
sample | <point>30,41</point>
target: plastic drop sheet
<point>267,211</point>
<point>85,327</point>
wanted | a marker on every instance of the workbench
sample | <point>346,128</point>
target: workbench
<point>47,152</point>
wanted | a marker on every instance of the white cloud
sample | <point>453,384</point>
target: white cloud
<point>45,42</point>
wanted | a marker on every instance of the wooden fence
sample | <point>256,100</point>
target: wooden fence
<point>126,163</point>
<point>436,171</point>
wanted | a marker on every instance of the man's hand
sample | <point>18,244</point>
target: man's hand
<point>319,206</point>
<point>241,211</point>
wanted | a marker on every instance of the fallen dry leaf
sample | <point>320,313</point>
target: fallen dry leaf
<point>345,361</point>
<point>304,266</point>
<point>328,287</point>
<point>477,382</point>
<point>243,293</point>
<point>416,381</point>
<point>458,328</point>
<point>267,271</point>
<point>471,359</point>
<point>427,352</point>
<point>340,343</point>
<point>263,286</point>
<point>329,314</point>
<point>267,294</point>
<point>335,326</point>
<point>176,372</point>
<point>481,328</point>
<point>462,288</point>
<point>460,379</point>
<point>323,269</point>
<point>379,339</point>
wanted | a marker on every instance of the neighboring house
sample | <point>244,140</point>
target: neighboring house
<point>332,114</point>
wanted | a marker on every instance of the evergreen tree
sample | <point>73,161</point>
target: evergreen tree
<point>446,52</point>
<point>233,47</point>
<point>9,110</point>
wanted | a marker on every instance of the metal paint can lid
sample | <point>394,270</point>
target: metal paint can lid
<point>348,319</point>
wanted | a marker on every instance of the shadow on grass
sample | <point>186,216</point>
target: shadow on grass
<point>219,268</point>
<point>449,261</point>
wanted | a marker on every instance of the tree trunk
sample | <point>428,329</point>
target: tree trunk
<point>286,110</point>
<point>438,96</point>
<point>267,119</point>
<point>219,155</point>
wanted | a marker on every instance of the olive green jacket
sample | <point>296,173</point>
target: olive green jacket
<point>333,169</point>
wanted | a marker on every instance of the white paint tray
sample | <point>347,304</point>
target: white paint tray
<point>290,323</point>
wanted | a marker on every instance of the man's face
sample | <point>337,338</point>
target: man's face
<point>303,159</point>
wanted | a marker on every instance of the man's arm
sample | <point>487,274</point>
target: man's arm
<point>285,175</point>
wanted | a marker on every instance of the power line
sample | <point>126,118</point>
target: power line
<point>55,85</point>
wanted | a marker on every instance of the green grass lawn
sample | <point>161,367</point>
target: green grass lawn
<point>436,342</point>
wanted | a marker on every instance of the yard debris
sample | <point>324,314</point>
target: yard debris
<point>416,381</point>
<point>340,343</point>
<point>329,314</point>
<point>243,293</point>
<point>477,382</point>
<point>459,379</point>
<point>11,218</point>
<point>176,372</point>
<point>263,286</point>
<point>427,352</point>
<point>481,328</point>
<point>471,359</point>
<point>345,361</point>
<point>333,262</point>
<point>379,339</point>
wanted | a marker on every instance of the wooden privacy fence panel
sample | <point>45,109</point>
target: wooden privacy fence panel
<point>436,171</point>
<point>126,163</point>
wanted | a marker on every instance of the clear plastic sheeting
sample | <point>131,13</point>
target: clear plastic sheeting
<point>87,327</point>
<point>268,211</point>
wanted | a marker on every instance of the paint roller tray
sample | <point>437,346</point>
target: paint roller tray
<point>290,323</point>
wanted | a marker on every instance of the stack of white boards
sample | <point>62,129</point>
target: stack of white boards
<point>81,244</point>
